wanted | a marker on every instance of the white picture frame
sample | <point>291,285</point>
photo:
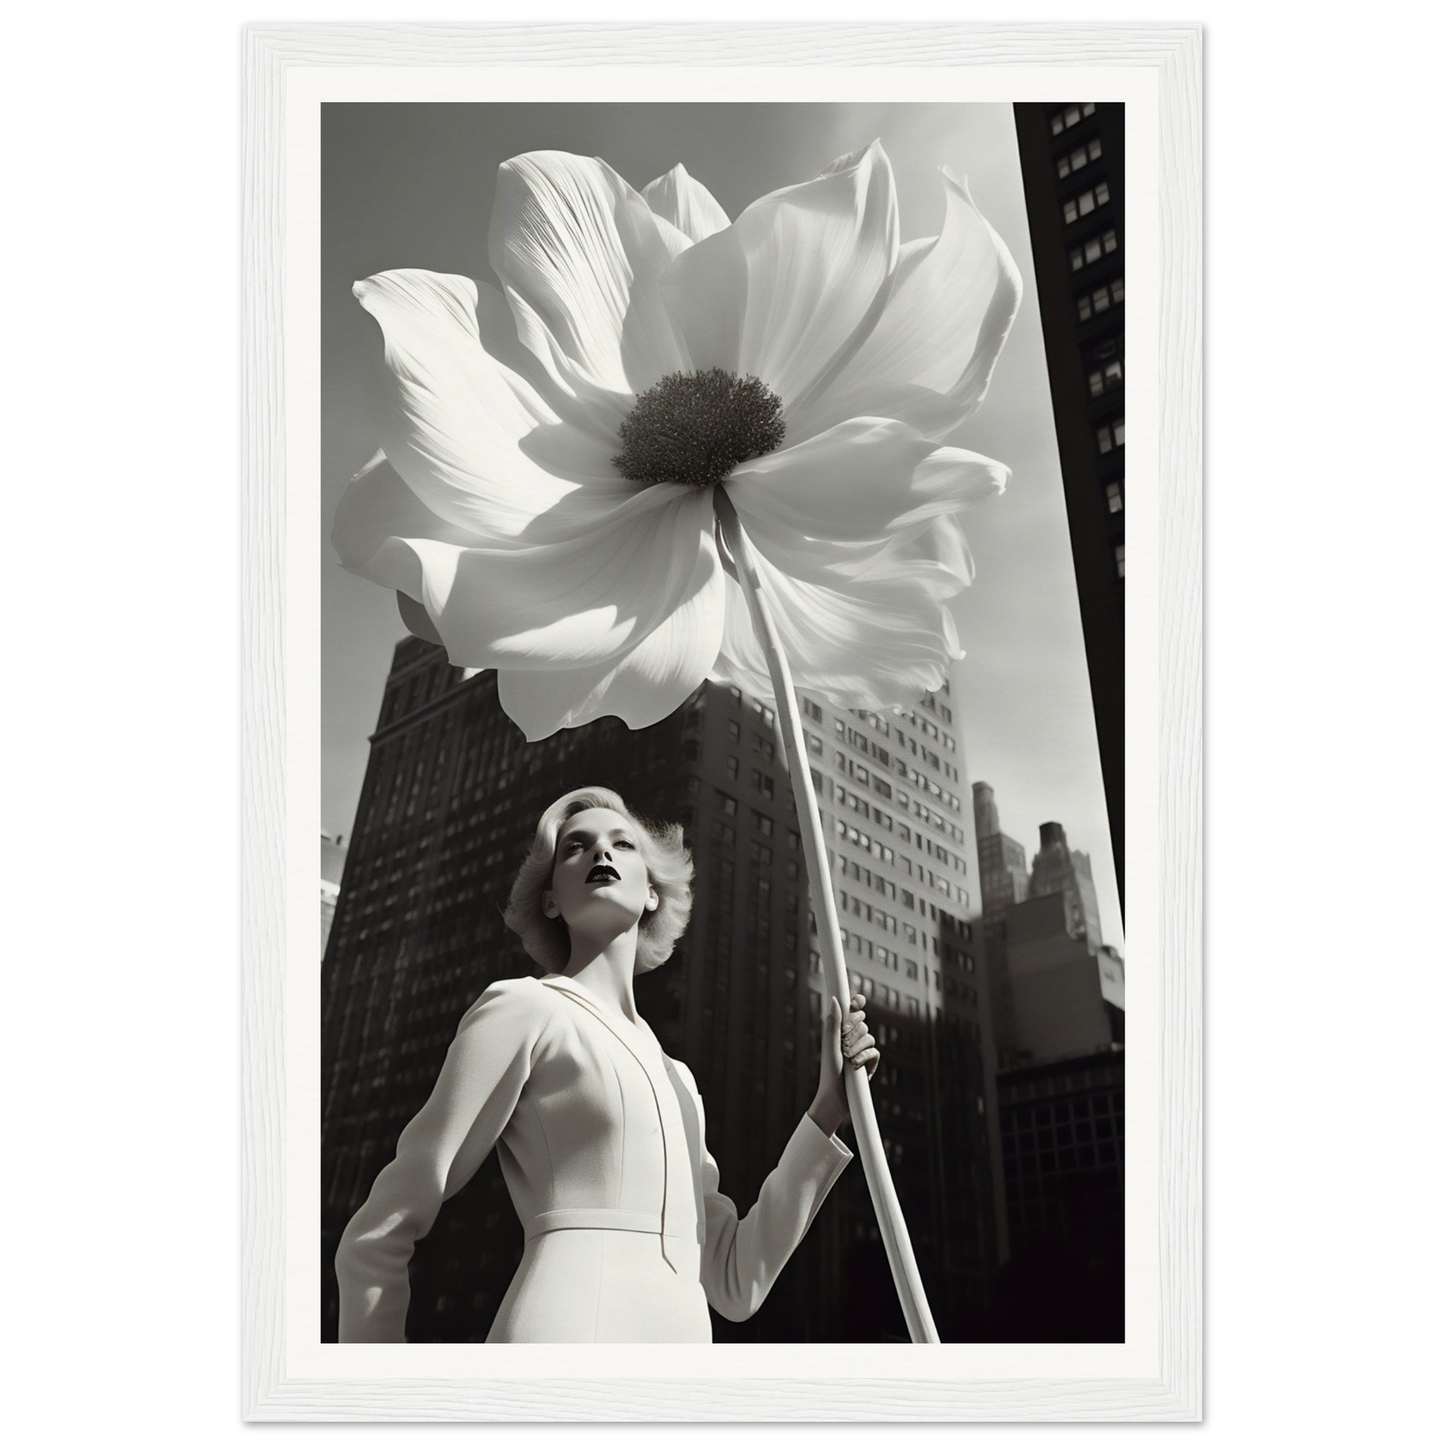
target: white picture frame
<point>1169,55</point>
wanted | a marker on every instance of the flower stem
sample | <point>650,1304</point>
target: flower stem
<point>894,1231</point>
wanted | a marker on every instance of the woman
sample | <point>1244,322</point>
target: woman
<point>601,1135</point>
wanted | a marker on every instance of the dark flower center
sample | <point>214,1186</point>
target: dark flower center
<point>694,427</point>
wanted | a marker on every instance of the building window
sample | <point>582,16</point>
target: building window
<point>762,783</point>
<point>1114,496</point>
<point>763,824</point>
<point>1078,158</point>
<point>1111,435</point>
<point>1086,203</point>
<point>1106,378</point>
<point>732,766</point>
<point>812,710</point>
<point>1067,119</point>
<point>1105,361</point>
<point>727,804</point>
<point>1101,298</point>
<point>1091,250</point>
<point>1119,558</point>
<point>735,733</point>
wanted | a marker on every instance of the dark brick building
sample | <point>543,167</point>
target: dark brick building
<point>1063,1151</point>
<point>1072,161</point>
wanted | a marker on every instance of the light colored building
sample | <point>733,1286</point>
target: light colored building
<point>891,793</point>
<point>1060,869</point>
<point>1057,983</point>
<point>1003,875</point>
<point>897,809</point>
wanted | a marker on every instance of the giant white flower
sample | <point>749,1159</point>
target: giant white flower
<point>543,500</point>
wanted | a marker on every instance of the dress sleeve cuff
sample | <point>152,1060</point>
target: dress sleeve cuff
<point>824,1145</point>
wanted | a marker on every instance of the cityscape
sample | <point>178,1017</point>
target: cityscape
<point>997,1004</point>
<point>996,998</point>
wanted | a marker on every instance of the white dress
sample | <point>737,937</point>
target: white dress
<point>601,1141</point>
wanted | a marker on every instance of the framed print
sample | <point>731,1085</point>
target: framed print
<point>687,497</point>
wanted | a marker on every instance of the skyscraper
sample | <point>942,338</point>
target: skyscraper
<point>450,799</point>
<point>1003,880</point>
<point>1057,984</point>
<point>904,862</point>
<point>1071,158</point>
<point>1062,870</point>
<point>1060,989</point>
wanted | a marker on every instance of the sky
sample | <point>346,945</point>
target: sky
<point>411,186</point>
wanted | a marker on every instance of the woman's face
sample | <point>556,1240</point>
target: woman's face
<point>599,877</point>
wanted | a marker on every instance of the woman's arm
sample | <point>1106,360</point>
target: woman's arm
<point>437,1153</point>
<point>743,1257</point>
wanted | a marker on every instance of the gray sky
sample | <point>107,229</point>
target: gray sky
<point>411,185</point>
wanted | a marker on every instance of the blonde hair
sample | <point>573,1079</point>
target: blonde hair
<point>669,870</point>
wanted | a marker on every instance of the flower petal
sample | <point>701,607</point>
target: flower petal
<point>414,615</point>
<point>579,252</point>
<point>882,643</point>
<point>686,203</point>
<point>582,602</point>
<point>676,241</point>
<point>469,435</point>
<point>790,287</point>
<point>931,356</point>
<point>649,683</point>
<point>935,560</point>
<point>377,506</point>
<point>859,483</point>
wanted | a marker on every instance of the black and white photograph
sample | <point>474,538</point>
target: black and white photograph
<point>723,509</point>
<point>714,697</point>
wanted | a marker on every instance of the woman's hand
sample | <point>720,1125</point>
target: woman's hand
<point>844,1037</point>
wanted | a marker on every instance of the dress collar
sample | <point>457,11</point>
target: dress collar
<point>605,1011</point>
